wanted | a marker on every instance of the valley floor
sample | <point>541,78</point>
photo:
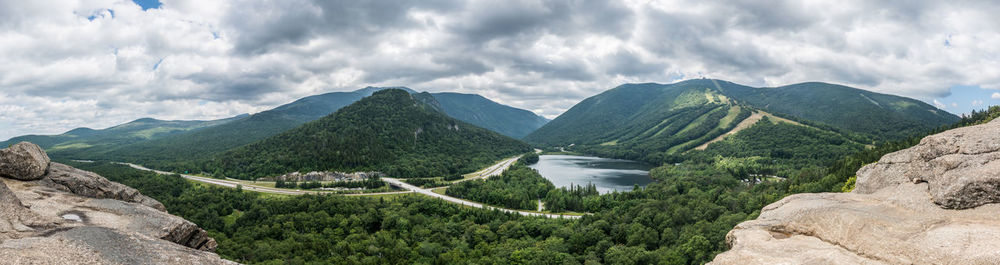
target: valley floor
<point>490,171</point>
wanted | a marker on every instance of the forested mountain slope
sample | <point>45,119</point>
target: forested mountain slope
<point>391,131</point>
<point>880,116</point>
<point>656,122</point>
<point>183,150</point>
<point>482,112</point>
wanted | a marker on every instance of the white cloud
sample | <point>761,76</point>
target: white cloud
<point>996,95</point>
<point>977,102</point>
<point>127,63</point>
<point>939,104</point>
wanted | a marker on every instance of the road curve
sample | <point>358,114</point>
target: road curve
<point>234,184</point>
<point>494,170</point>
<point>225,183</point>
<point>404,185</point>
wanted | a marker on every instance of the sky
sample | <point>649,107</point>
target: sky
<point>98,63</point>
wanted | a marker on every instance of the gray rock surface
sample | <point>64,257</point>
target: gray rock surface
<point>961,167</point>
<point>15,218</point>
<point>23,161</point>
<point>88,184</point>
<point>930,204</point>
<point>72,216</point>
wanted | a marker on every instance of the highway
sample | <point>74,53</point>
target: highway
<point>225,183</point>
<point>404,185</point>
<point>494,170</point>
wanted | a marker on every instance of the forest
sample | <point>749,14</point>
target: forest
<point>519,187</point>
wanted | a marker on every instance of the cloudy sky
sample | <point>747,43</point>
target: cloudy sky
<point>97,63</point>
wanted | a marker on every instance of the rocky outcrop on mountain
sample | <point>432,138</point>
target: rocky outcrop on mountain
<point>70,216</point>
<point>324,176</point>
<point>23,161</point>
<point>88,184</point>
<point>934,203</point>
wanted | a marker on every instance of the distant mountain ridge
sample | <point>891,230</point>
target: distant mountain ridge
<point>393,131</point>
<point>198,142</point>
<point>478,110</point>
<point>131,132</point>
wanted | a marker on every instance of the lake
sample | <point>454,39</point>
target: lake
<point>607,174</point>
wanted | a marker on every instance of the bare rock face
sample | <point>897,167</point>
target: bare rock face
<point>23,161</point>
<point>88,184</point>
<point>15,218</point>
<point>960,166</point>
<point>933,203</point>
<point>70,216</point>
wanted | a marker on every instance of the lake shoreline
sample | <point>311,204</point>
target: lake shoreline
<point>608,174</point>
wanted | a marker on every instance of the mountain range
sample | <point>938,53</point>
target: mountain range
<point>391,131</point>
<point>654,121</point>
<point>658,123</point>
<point>172,144</point>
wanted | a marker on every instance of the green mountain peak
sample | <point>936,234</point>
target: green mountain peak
<point>391,131</point>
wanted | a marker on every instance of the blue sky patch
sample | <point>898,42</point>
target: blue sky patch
<point>100,14</point>
<point>148,4</point>
<point>157,65</point>
<point>964,99</point>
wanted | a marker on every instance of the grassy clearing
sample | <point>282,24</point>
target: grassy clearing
<point>71,146</point>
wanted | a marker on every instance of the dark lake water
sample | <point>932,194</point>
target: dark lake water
<point>607,174</point>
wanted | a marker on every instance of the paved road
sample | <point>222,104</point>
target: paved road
<point>404,185</point>
<point>494,170</point>
<point>225,183</point>
<point>233,184</point>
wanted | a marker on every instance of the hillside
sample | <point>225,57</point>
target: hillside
<point>656,122</point>
<point>140,130</point>
<point>182,150</point>
<point>482,112</point>
<point>390,131</point>
<point>880,116</point>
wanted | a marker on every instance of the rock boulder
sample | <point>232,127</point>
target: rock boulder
<point>23,161</point>
<point>88,184</point>
<point>71,216</point>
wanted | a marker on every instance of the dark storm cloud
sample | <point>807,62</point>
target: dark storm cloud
<point>526,20</point>
<point>262,26</point>
<point>629,63</point>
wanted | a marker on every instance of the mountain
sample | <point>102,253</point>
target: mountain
<point>881,116</point>
<point>391,131</point>
<point>656,121</point>
<point>144,129</point>
<point>178,151</point>
<point>482,112</point>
